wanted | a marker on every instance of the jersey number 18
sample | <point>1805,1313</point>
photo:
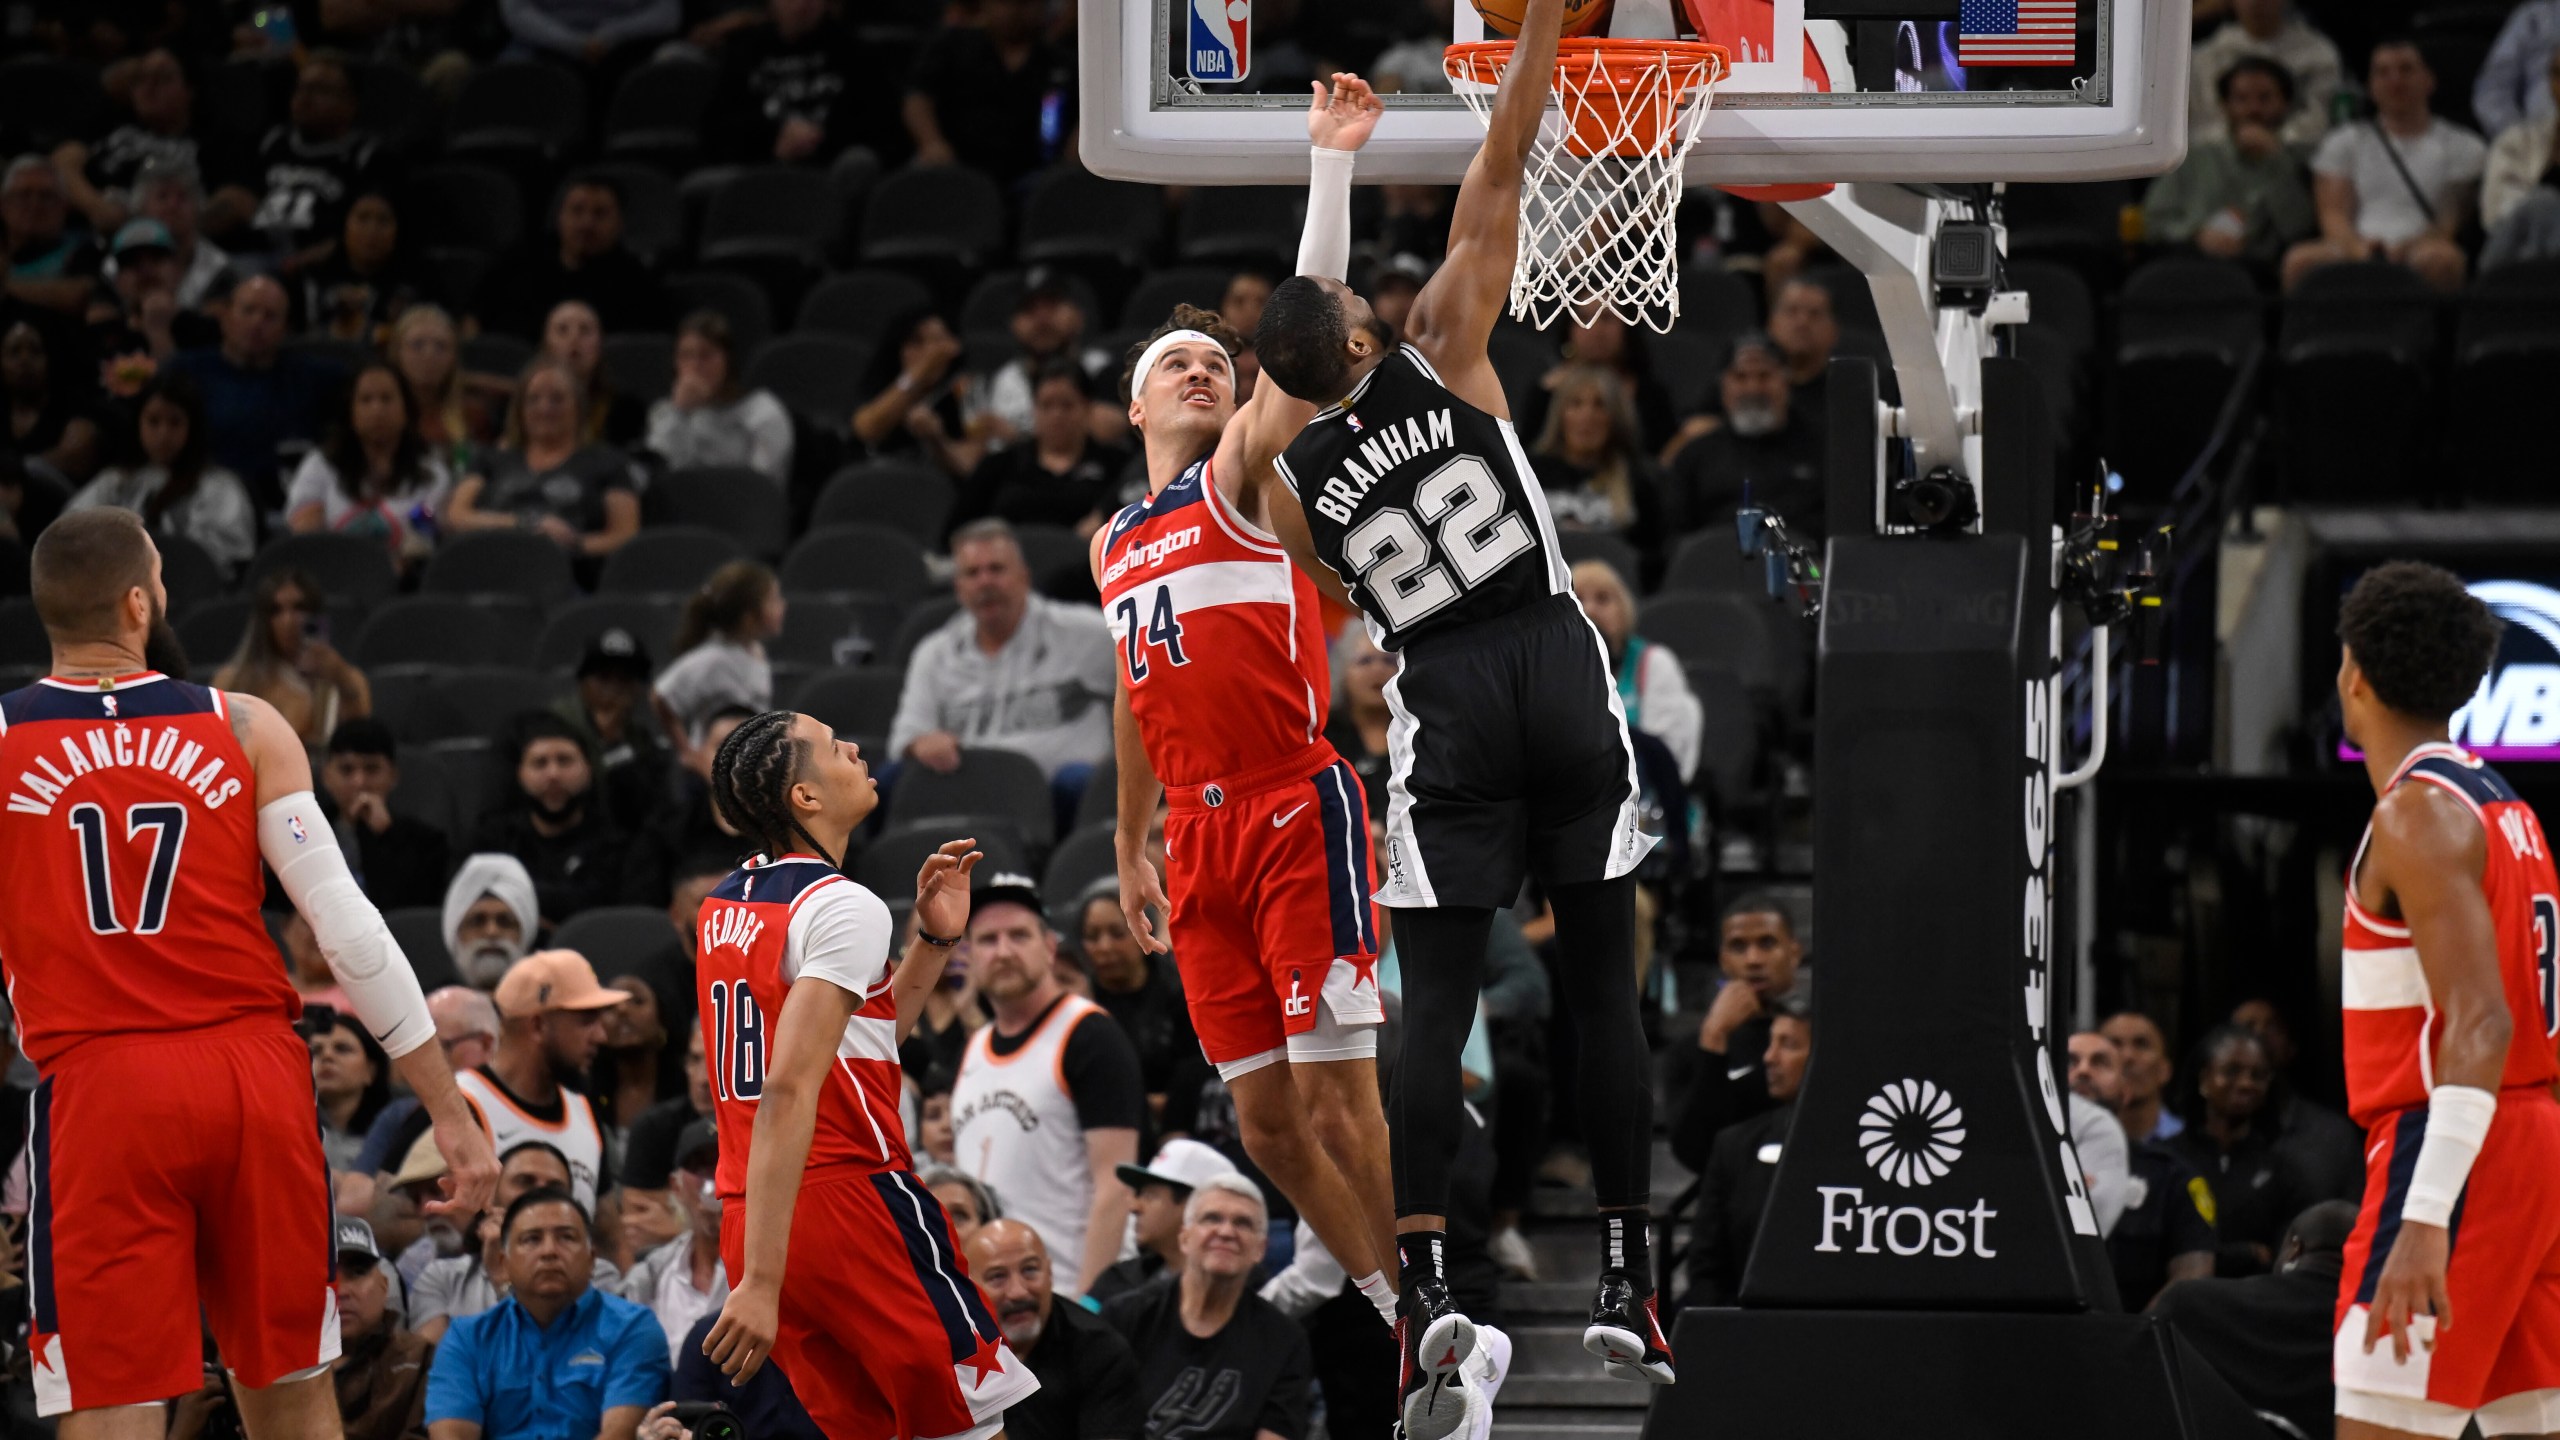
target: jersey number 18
<point>738,1041</point>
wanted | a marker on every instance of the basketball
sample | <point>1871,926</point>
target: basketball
<point>1581,17</point>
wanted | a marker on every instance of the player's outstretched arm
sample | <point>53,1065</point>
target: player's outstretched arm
<point>2430,851</point>
<point>1454,315</point>
<point>297,843</point>
<point>942,909</point>
<point>814,1015</point>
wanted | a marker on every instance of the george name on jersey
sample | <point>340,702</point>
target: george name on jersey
<point>122,747</point>
<point>731,925</point>
<point>1151,554</point>
<point>1390,447</point>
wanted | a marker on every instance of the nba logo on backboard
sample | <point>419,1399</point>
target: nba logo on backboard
<point>1221,47</point>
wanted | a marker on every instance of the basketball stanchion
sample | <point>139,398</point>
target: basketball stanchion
<point>1602,192</point>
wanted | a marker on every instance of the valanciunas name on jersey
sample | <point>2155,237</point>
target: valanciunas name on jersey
<point>110,747</point>
<point>1392,446</point>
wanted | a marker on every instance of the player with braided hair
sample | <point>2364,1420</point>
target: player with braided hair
<point>845,1269</point>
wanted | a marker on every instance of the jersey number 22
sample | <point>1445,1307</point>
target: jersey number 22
<point>1391,556</point>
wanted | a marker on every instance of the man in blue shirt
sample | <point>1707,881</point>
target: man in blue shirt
<point>259,396</point>
<point>557,1359</point>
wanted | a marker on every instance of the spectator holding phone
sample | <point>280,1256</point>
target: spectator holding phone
<point>916,388</point>
<point>285,659</point>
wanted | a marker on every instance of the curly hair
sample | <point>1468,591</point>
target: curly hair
<point>1184,317</point>
<point>2419,636</point>
<point>751,780</point>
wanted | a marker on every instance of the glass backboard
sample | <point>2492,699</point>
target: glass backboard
<point>1915,91</point>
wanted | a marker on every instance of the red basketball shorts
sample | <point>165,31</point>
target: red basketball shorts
<point>2503,1280</point>
<point>883,1332</point>
<point>1270,876</point>
<point>168,1173</point>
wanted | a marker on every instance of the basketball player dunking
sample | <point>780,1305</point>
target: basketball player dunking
<point>1223,687</point>
<point>176,1181</point>
<point>2449,1300</point>
<point>1508,746</point>
<point>845,1267</point>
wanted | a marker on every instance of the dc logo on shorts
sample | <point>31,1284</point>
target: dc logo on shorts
<point>1221,47</point>
<point>1212,796</point>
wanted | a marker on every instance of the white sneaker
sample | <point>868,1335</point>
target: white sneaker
<point>1510,1253</point>
<point>1488,1366</point>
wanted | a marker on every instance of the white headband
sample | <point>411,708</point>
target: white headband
<point>1155,352</point>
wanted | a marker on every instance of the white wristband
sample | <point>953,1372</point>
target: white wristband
<point>1324,247</point>
<point>2458,1119</point>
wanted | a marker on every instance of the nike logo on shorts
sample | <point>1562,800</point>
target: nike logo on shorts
<point>1283,817</point>
<point>1737,1072</point>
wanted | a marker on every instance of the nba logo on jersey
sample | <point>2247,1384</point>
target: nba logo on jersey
<point>108,701</point>
<point>1221,47</point>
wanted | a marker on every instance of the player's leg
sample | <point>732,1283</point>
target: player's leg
<point>1441,952</point>
<point>1277,1121</point>
<point>270,1267</point>
<point>111,1241</point>
<point>1351,1124</point>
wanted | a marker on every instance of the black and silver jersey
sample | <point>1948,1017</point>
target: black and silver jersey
<point>1423,504</point>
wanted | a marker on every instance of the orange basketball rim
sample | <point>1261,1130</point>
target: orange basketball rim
<point>1621,97</point>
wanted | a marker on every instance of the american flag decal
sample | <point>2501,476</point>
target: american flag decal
<point>2016,32</point>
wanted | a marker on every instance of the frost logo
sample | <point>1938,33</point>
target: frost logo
<point>1912,1132</point>
<point>2516,713</point>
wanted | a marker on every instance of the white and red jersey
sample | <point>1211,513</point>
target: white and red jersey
<point>130,839</point>
<point>766,926</point>
<point>1221,639</point>
<point>2392,1027</point>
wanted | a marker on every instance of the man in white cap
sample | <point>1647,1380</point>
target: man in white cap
<point>551,1018</point>
<point>381,1374</point>
<point>489,917</point>
<point>1160,1188</point>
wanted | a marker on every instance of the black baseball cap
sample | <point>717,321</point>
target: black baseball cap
<point>700,1140</point>
<point>1006,887</point>
<point>615,652</point>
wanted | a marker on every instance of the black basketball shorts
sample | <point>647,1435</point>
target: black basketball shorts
<point>1508,757</point>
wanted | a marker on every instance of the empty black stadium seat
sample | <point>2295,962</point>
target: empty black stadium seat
<point>2506,369</point>
<point>1100,803</point>
<point>1085,858</point>
<point>928,616</point>
<point>44,101</point>
<point>858,557</point>
<point>855,171</point>
<point>1729,737</point>
<point>1716,302</point>
<point>1853,301</point>
<point>861,304</point>
<point>1726,631</point>
<point>1155,297</point>
<point>739,300</point>
<point>391,100</point>
<point>2188,327</point>
<point>517,106</point>
<point>1688,362</point>
<point>901,494</point>
<point>657,112</point>
<point>1711,561</point>
<point>1049,550</point>
<point>446,630</point>
<point>1610,549</point>
<point>1073,215</point>
<point>492,353</point>
<point>500,562</point>
<point>22,636</point>
<point>743,504</point>
<point>572,627</point>
<point>770,212</point>
<point>888,864</point>
<point>419,929</point>
<point>2353,364</point>
<point>854,701</point>
<point>189,574</point>
<point>988,781</point>
<point>621,940</point>
<point>642,366</point>
<point>357,571</point>
<point>934,215</point>
<point>212,632</point>
<point>425,703</point>
<point>826,631</point>
<point>2058,302</point>
<point>1239,224</point>
<point>819,376</point>
<point>669,559</point>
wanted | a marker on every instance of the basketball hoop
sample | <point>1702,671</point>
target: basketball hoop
<point>1601,192</point>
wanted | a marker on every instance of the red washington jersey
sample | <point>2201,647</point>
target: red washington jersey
<point>130,840</point>
<point>770,923</point>
<point>2391,1024</point>
<point>1221,641</point>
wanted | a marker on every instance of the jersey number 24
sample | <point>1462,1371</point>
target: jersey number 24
<point>1392,557</point>
<point>1141,638</point>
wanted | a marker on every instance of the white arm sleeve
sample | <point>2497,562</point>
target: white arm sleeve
<point>304,853</point>
<point>1324,248</point>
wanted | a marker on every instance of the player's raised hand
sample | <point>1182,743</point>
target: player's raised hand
<point>1341,118</point>
<point>1140,887</point>
<point>942,888</point>
<point>742,1338</point>
<point>2412,1284</point>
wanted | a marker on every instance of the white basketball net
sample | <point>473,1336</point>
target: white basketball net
<point>1602,190</point>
